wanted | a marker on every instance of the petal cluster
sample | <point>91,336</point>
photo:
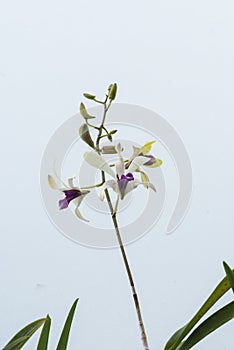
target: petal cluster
<point>71,194</point>
<point>121,183</point>
<point>123,175</point>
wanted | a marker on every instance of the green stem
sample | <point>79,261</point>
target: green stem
<point>113,212</point>
<point>98,101</point>
<point>131,281</point>
<point>106,107</point>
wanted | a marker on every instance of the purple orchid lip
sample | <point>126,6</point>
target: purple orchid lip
<point>69,196</point>
<point>128,177</point>
<point>123,182</point>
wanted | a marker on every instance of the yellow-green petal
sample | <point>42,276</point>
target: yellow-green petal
<point>145,178</point>
<point>158,163</point>
<point>146,147</point>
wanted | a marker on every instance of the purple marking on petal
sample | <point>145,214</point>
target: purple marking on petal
<point>151,160</point>
<point>122,183</point>
<point>63,203</point>
<point>128,177</point>
<point>69,196</point>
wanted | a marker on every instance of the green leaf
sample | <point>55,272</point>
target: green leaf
<point>112,132</point>
<point>23,335</point>
<point>84,113</point>
<point>179,335</point>
<point>230,274</point>
<point>85,135</point>
<point>213,322</point>
<point>17,344</point>
<point>89,96</point>
<point>109,137</point>
<point>63,341</point>
<point>44,337</point>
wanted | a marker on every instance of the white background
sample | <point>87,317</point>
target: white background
<point>175,57</point>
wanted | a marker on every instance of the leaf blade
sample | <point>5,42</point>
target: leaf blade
<point>230,275</point>
<point>44,337</point>
<point>216,320</point>
<point>63,341</point>
<point>180,334</point>
<point>24,334</point>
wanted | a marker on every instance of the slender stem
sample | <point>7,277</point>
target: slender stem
<point>113,212</point>
<point>116,205</point>
<point>106,107</point>
<point>129,273</point>
<point>91,125</point>
<point>98,101</point>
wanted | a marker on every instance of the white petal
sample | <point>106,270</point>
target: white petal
<point>94,159</point>
<point>77,200</point>
<point>77,203</point>
<point>131,186</point>
<point>52,183</point>
<point>148,185</point>
<point>119,148</point>
<point>71,181</point>
<point>120,166</point>
<point>108,184</point>
<point>78,214</point>
<point>136,163</point>
<point>101,194</point>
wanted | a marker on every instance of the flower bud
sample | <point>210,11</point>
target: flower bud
<point>89,96</point>
<point>108,150</point>
<point>84,112</point>
<point>112,90</point>
<point>85,135</point>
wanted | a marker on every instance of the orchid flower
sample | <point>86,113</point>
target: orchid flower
<point>151,161</point>
<point>121,183</point>
<point>72,194</point>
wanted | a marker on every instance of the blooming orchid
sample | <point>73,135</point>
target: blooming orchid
<point>122,183</point>
<point>151,161</point>
<point>72,194</point>
<point>123,176</point>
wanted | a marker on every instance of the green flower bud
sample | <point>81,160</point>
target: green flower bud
<point>108,150</point>
<point>84,113</point>
<point>89,96</point>
<point>112,91</point>
<point>85,135</point>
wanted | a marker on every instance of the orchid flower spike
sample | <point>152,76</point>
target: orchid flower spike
<point>121,183</point>
<point>72,194</point>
